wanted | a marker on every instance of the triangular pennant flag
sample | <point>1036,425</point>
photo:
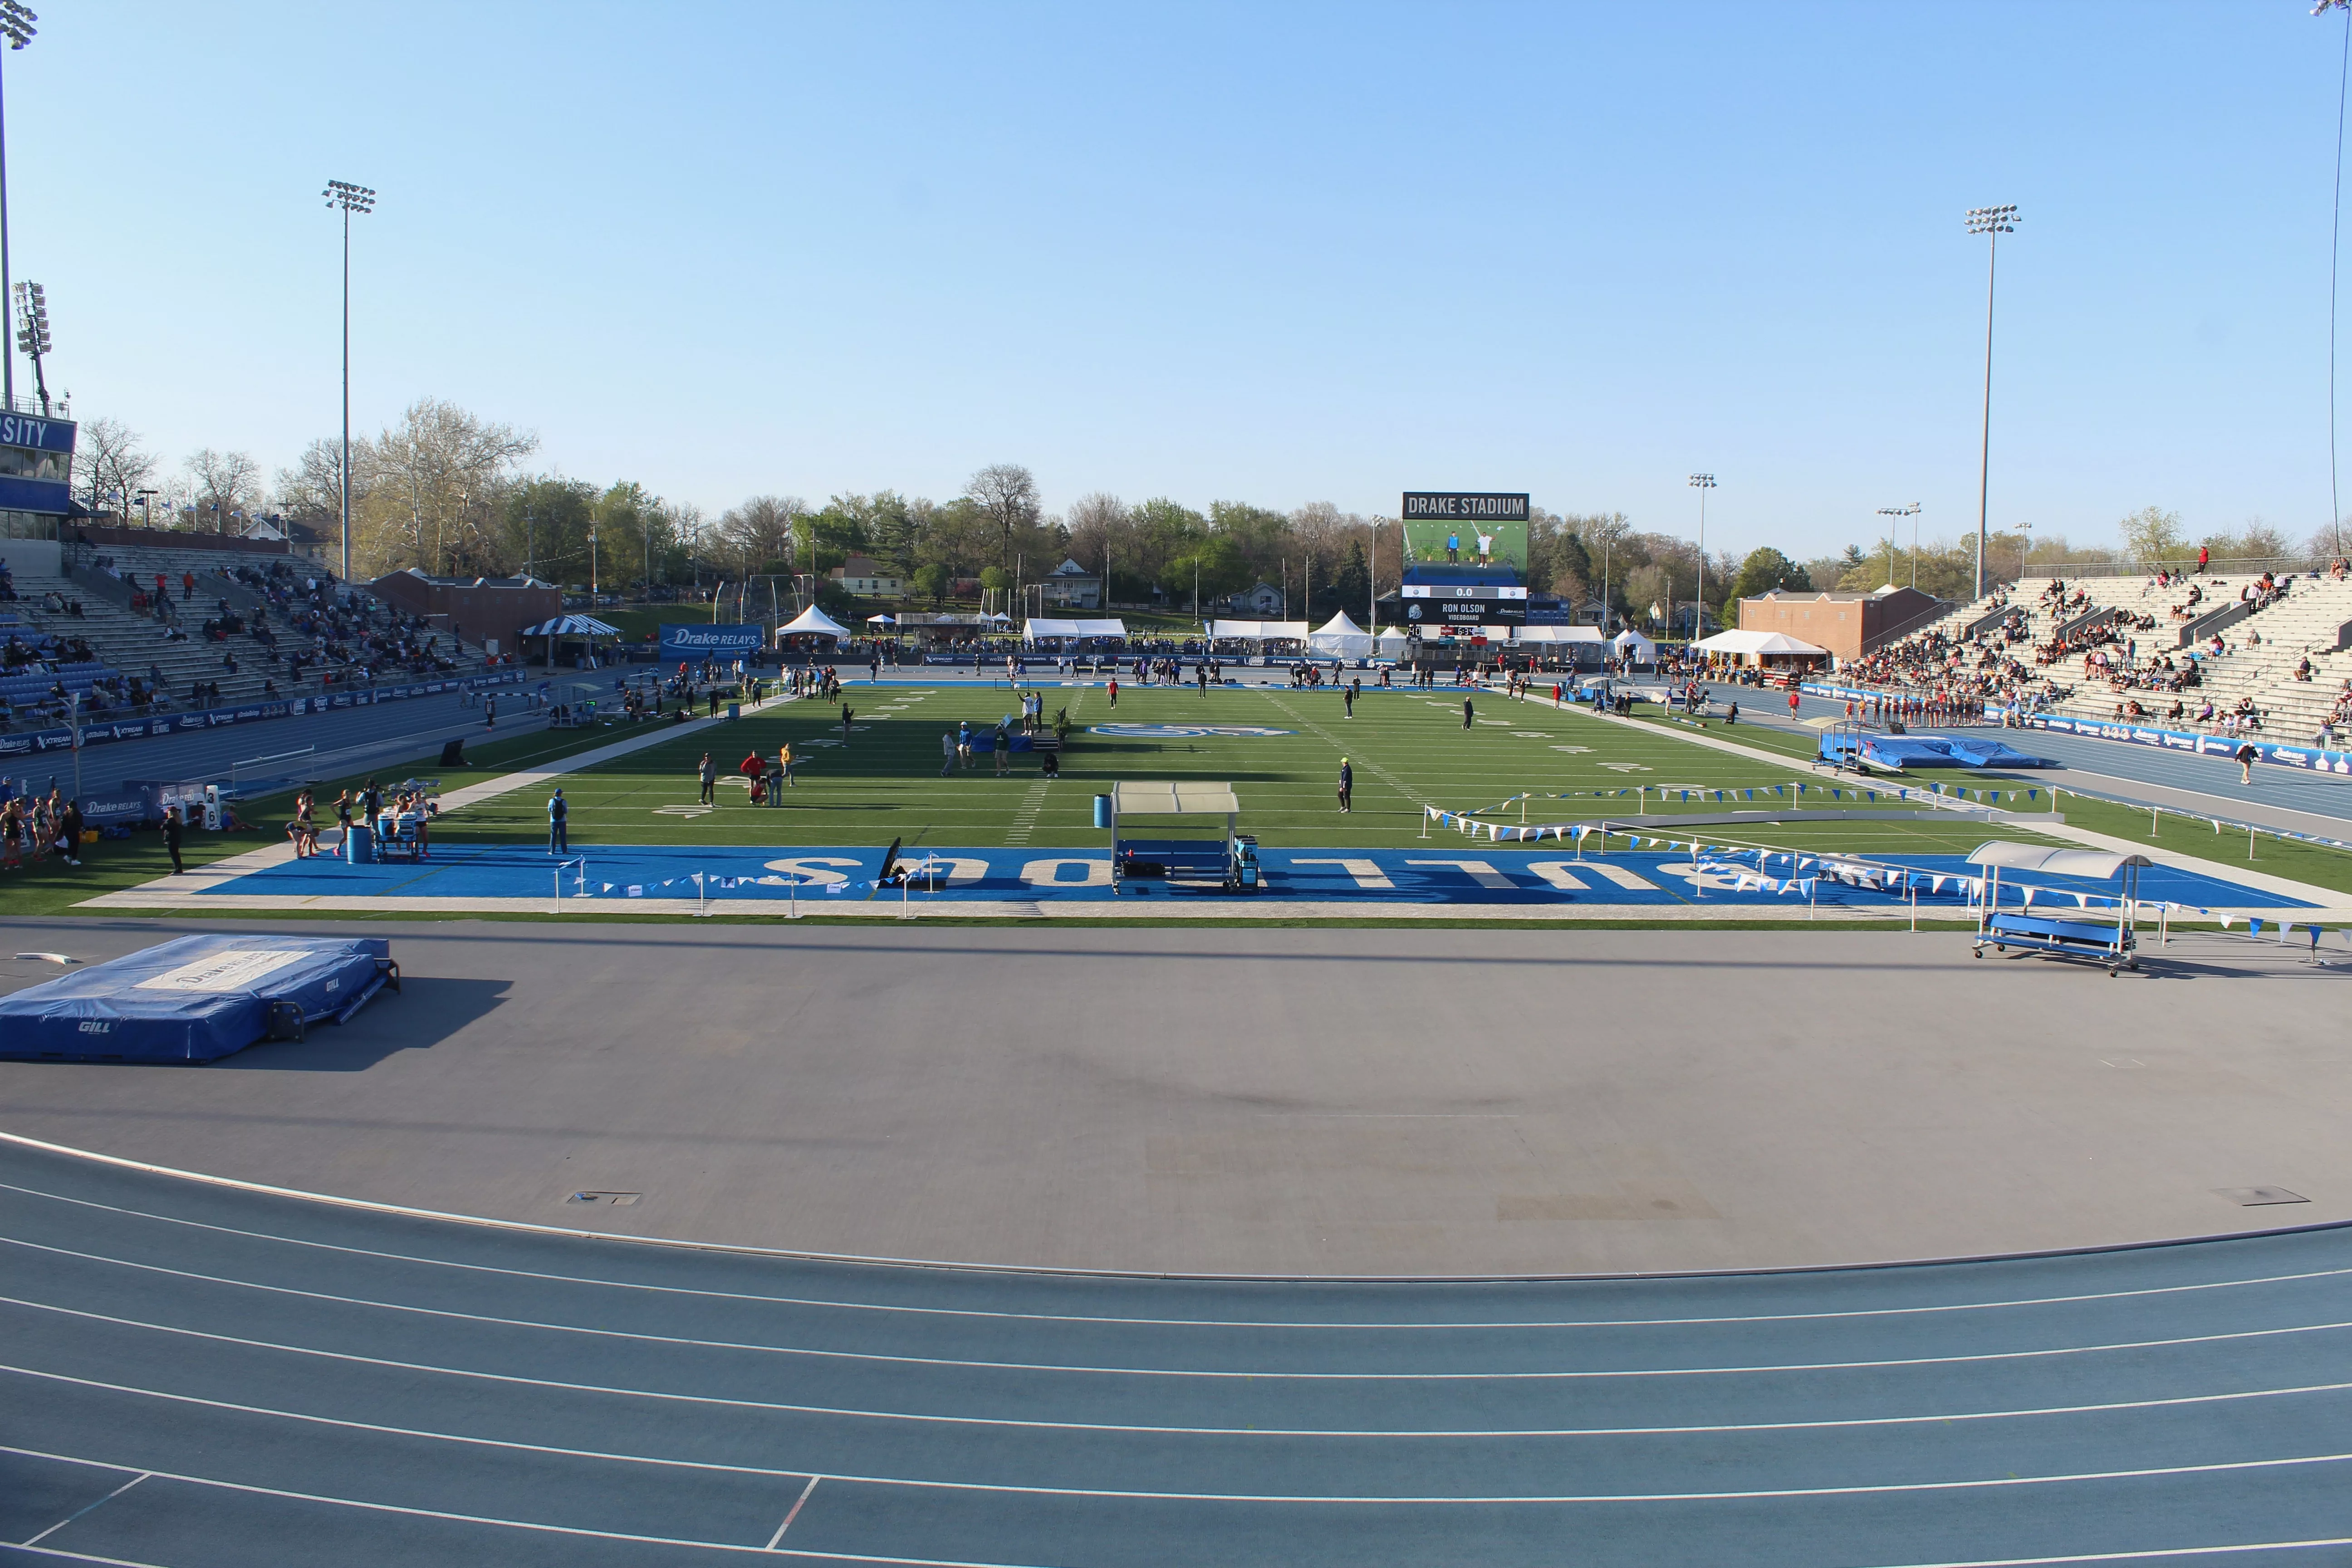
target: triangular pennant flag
<point>2254,925</point>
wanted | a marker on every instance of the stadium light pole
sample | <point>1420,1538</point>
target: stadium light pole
<point>2335,248</point>
<point>17,26</point>
<point>1701,483</point>
<point>1992,223</point>
<point>1911,512</point>
<point>350,199</point>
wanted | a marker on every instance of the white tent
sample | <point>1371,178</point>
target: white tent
<point>1342,636</point>
<point>881,620</point>
<point>1039,627</point>
<point>1759,645</point>
<point>811,622</point>
<point>1631,643</point>
<point>1557,634</point>
<point>1260,631</point>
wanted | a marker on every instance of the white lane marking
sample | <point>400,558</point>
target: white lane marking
<point>1342,1498</point>
<point>2302,1277</point>
<point>252,1490</point>
<point>2147,1555</point>
<point>1482,872</point>
<point>1551,1375</point>
<point>794,1512</point>
<point>1367,873</point>
<point>79,1511</point>
<point>65,1556</point>
<point>1622,876</point>
<point>1510,1433</point>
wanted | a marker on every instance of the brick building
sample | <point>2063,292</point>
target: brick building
<point>1848,625</point>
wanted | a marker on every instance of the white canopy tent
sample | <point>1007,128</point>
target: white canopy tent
<point>1631,643</point>
<point>1041,626</point>
<point>1260,631</point>
<point>1759,645</point>
<point>1342,636</point>
<point>811,622</point>
<point>1558,634</point>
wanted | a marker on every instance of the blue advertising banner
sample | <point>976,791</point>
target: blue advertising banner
<point>726,643</point>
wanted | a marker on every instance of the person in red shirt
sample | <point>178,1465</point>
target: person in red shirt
<point>2203,555</point>
<point>755,767</point>
<point>1114,692</point>
<point>187,586</point>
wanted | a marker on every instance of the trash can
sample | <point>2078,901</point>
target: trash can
<point>734,710</point>
<point>359,844</point>
<point>1102,811</point>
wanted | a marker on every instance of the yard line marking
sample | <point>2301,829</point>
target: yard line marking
<point>78,1512</point>
<point>795,1512</point>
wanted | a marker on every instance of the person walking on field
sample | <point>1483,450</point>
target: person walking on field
<point>709,773</point>
<point>2247,754</point>
<point>847,713</point>
<point>559,836</point>
<point>1002,747</point>
<point>1467,715</point>
<point>489,712</point>
<point>171,839</point>
<point>1348,700</point>
<point>1347,786</point>
<point>947,752</point>
<point>1114,693</point>
<point>784,761</point>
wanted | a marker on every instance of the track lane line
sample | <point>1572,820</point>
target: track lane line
<point>827,1302</point>
<point>787,1407</point>
<point>566,1530</point>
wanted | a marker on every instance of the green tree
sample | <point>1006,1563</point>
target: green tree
<point>933,580</point>
<point>2152,535</point>
<point>1351,585</point>
<point>1766,569</point>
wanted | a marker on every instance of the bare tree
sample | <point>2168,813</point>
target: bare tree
<point>759,530</point>
<point>435,488</point>
<point>113,464</point>
<point>224,484</point>
<point>1007,493</point>
<point>311,491</point>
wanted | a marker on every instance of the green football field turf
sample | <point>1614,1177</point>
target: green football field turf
<point>1409,750</point>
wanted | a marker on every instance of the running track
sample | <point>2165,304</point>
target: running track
<point>198,1375</point>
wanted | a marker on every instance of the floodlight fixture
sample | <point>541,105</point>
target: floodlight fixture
<point>349,198</point>
<point>1992,223</point>
<point>1701,483</point>
<point>16,23</point>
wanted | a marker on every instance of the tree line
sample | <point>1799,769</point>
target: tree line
<point>447,491</point>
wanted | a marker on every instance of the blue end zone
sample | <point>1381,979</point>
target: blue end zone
<point>1443,870</point>
<point>194,999</point>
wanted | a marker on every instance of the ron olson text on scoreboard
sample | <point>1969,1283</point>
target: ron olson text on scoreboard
<point>1464,505</point>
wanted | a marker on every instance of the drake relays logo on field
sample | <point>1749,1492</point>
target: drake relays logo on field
<point>1184,731</point>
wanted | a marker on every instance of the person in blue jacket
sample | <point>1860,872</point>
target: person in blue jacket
<point>559,841</point>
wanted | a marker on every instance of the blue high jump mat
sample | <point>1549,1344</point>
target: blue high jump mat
<point>196,998</point>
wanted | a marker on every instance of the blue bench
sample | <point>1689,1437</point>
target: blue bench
<point>2110,943</point>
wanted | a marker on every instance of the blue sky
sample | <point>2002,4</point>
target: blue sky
<point>1269,253</point>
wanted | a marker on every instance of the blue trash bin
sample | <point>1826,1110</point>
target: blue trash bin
<point>359,844</point>
<point>734,710</point>
<point>1102,811</point>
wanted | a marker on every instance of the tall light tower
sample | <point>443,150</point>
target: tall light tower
<point>33,334</point>
<point>1911,512</point>
<point>352,199</point>
<point>1701,483</point>
<point>1992,223</point>
<point>17,26</point>
<point>2335,248</point>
